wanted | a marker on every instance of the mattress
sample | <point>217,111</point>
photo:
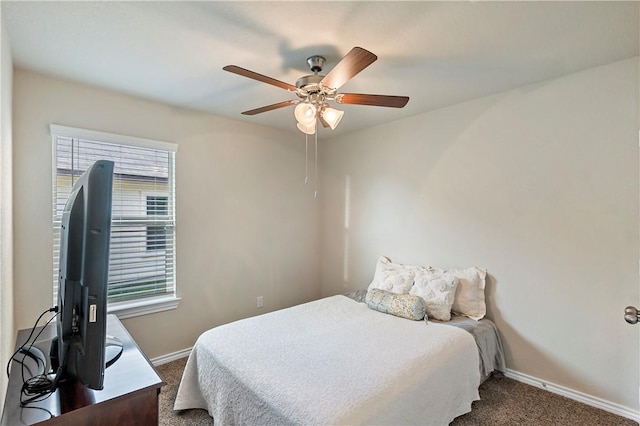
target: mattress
<point>484,332</point>
<point>332,361</point>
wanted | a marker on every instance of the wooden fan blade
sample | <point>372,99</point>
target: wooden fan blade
<point>263,78</point>
<point>270,107</point>
<point>372,100</point>
<point>353,62</point>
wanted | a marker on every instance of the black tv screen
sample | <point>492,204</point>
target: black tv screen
<point>78,352</point>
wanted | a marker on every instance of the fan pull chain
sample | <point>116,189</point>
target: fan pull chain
<point>306,159</point>
<point>315,194</point>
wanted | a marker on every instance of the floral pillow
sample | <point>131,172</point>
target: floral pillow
<point>400,305</point>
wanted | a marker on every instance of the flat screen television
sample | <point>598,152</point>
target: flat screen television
<point>78,351</point>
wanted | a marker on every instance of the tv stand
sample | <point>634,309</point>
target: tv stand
<point>113,350</point>
<point>129,397</point>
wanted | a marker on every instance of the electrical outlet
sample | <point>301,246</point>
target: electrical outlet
<point>259,302</point>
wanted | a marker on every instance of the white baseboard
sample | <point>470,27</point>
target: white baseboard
<point>174,356</point>
<point>593,401</point>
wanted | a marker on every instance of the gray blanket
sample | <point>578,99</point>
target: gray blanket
<point>488,341</point>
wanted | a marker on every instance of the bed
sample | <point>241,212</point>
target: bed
<point>336,361</point>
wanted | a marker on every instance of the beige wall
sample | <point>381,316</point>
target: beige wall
<point>6,239</point>
<point>247,225</point>
<point>538,185</point>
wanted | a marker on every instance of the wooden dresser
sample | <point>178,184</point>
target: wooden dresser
<point>129,397</point>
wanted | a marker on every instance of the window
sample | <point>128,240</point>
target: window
<point>156,206</point>
<point>142,275</point>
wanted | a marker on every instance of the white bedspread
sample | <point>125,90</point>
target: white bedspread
<point>331,361</point>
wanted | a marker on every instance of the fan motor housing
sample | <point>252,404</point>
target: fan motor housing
<point>310,83</point>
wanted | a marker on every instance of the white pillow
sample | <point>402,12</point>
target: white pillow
<point>393,277</point>
<point>438,290</point>
<point>469,298</point>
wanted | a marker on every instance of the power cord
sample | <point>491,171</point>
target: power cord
<point>33,329</point>
<point>38,385</point>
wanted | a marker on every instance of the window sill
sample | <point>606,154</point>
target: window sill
<point>143,307</point>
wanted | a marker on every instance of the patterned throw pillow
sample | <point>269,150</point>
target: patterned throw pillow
<point>469,299</point>
<point>438,290</point>
<point>401,305</point>
<point>393,277</point>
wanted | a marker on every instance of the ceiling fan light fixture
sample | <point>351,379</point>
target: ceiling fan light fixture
<point>314,90</point>
<point>309,129</point>
<point>305,114</point>
<point>331,116</point>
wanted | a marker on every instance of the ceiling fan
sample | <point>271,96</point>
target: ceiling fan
<point>315,90</point>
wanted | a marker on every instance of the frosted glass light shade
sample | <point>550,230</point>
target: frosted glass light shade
<point>305,113</point>
<point>332,116</point>
<point>308,129</point>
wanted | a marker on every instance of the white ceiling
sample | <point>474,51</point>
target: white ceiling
<point>438,53</point>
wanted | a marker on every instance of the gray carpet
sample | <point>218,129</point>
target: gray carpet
<point>503,402</point>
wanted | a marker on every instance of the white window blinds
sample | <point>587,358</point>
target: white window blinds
<point>142,256</point>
